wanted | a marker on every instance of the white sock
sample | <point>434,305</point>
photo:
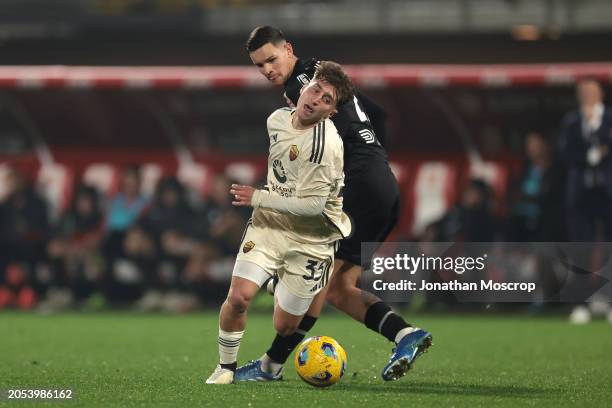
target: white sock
<point>270,366</point>
<point>400,334</point>
<point>229,343</point>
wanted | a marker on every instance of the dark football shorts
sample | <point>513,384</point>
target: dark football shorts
<point>372,200</point>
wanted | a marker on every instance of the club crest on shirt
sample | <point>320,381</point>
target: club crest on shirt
<point>248,246</point>
<point>293,152</point>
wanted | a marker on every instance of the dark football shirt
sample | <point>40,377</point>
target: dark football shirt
<point>362,143</point>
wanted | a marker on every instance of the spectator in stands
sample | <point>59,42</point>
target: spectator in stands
<point>162,243</point>
<point>124,210</point>
<point>24,225</point>
<point>585,144</point>
<point>226,222</point>
<point>537,206</point>
<point>175,247</point>
<point>74,250</point>
<point>24,230</point>
<point>209,268</point>
<point>471,220</point>
<point>128,204</point>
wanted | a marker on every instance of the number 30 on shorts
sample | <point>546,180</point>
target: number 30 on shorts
<point>319,272</point>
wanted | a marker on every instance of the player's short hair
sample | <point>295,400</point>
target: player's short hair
<point>332,73</point>
<point>262,35</point>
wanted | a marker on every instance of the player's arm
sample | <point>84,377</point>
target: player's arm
<point>377,116</point>
<point>247,196</point>
<point>313,188</point>
<point>316,177</point>
<point>302,74</point>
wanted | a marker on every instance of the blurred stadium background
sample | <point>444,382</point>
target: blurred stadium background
<point>122,123</point>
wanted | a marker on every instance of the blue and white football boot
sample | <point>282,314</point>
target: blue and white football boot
<point>252,371</point>
<point>410,347</point>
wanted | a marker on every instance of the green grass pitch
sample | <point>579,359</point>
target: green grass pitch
<point>127,360</point>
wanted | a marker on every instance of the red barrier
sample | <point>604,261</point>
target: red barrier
<point>367,76</point>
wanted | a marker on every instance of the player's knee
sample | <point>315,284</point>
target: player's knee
<point>285,328</point>
<point>334,295</point>
<point>238,301</point>
<point>338,291</point>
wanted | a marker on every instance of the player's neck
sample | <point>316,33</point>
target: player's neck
<point>294,60</point>
<point>299,124</point>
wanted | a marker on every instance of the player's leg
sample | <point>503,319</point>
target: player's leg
<point>373,224</point>
<point>294,315</point>
<point>288,310</point>
<point>282,346</point>
<point>289,313</point>
<point>345,295</point>
<point>246,280</point>
<point>374,221</point>
<point>255,264</point>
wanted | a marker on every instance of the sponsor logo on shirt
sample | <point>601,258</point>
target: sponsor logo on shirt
<point>282,190</point>
<point>367,136</point>
<point>279,171</point>
<point>303,78</point>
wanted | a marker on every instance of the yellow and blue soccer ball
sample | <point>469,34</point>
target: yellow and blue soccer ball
<point>320,361</point>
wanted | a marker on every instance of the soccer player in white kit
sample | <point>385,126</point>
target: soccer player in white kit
<point>297,221</point>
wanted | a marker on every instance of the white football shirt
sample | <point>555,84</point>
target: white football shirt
<point>305,163</point>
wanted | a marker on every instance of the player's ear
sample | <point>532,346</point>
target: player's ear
<point>288,47</point>
<point>332,113</point>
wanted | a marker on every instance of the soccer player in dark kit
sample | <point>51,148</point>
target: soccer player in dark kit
<point>371,199</point>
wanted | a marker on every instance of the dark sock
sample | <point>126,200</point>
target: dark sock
<point>380,318</point>
<point>283,346</point>
<point>231,366</point>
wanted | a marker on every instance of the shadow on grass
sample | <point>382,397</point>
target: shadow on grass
<point>458,389</point>
<point>426,388</point>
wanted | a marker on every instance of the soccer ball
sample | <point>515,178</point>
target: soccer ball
<point>320,361</point>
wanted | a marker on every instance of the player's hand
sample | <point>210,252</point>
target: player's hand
<point>243,195</point>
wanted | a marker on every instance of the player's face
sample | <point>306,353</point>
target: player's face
<point>589,93</point>
<point>274,61</point>
<point>317,101</point>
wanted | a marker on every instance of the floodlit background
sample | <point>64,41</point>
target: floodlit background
<point>123,122</point>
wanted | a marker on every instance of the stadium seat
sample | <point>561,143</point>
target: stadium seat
<point>5,170</point>
<point>493,173</point>
<point>102,176</point>
<point>55,183</point>
<point>242,172</point>
<point>433,193</point>
<point>151,174</point>
<point>195,176</point>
